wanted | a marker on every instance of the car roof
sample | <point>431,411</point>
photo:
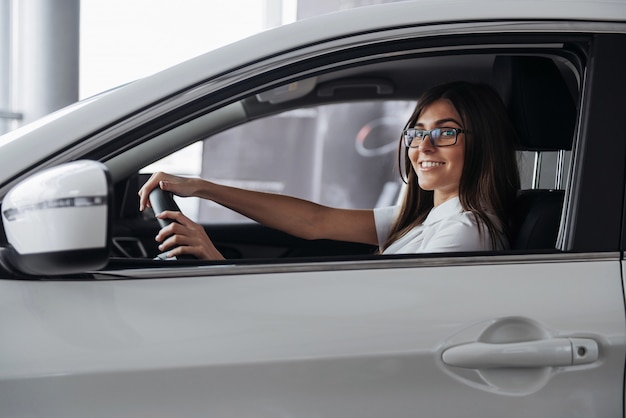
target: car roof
<point>83,119</point>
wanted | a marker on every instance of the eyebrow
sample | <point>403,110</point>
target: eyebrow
<point>442,121</point>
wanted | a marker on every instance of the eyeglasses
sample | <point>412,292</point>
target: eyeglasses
<point>439,137</point>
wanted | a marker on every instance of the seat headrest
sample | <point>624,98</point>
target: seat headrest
<point>539,101</point>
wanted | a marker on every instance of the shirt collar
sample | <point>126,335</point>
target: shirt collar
<point>445,210</point>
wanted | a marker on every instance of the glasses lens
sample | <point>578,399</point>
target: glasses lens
<point>411,138</point>
<point>440,137</point>
<point>444,136</point>
<point>408,138</point>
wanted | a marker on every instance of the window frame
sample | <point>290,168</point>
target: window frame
<point>595,198</point>
<point>537,38</point>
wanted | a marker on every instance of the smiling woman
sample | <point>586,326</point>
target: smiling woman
<point>438,213</point>
<point>474,168</point>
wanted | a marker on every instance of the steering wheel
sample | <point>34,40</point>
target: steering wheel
<point>162,201</point>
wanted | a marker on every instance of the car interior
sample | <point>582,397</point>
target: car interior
<point>539,82</point>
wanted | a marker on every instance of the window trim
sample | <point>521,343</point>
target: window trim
<point>592,213</point>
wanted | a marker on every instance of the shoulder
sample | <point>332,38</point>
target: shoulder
<point>460,231</point>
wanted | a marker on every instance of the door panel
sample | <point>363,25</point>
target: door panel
<point>365,342</point>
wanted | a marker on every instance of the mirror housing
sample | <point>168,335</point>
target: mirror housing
<point>57,221</point>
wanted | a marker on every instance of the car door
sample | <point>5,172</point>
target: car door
<point>519,333</point>
<point>356,341</point>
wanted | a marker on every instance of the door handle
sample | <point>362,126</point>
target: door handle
<point>541,353</point>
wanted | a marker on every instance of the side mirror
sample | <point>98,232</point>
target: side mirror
<point>57,221</point>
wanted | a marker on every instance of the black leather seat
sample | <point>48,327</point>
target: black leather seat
<point>536,218</point>
<point>544,112</point>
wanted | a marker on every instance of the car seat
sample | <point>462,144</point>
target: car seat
<point>543,111</point>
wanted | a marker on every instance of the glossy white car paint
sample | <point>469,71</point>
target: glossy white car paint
<point>354,343</point>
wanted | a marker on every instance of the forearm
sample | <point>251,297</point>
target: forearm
<point>295,216</point>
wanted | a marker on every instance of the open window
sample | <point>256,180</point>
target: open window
<point>342,155</point>
<point>332,136</point>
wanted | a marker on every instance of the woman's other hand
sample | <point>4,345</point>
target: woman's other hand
<point>185,237</point>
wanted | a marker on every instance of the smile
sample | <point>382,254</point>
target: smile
<point>430,164</point>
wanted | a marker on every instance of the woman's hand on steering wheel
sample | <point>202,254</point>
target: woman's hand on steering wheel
<point>179,236</point>
<point>185,237</point>
<point>180,186</point>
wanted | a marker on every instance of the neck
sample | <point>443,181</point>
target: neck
<point>440,198</point>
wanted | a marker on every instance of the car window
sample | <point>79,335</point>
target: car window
<point>354,164</point>
<point>342,155</point>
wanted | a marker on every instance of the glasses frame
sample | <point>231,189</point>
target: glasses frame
<point>429,132</point>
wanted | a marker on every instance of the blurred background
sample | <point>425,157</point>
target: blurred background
<point>55,52</point>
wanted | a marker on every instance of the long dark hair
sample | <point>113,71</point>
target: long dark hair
<point>490,178</point>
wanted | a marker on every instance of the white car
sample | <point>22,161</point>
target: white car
<point>91,325</point>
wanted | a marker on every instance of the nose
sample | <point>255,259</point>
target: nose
<point>426,145</point>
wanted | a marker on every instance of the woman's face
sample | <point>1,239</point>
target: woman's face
<point>439,168</point>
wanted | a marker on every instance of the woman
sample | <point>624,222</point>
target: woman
<point>458,149</point>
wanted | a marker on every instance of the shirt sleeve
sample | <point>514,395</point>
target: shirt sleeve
<point>384,218</point>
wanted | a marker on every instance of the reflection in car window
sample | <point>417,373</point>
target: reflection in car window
<point>342,155</point>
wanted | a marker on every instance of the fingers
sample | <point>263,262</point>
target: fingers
<point>172,228</point>
<point>174,236</point>
<point>185,237</point>
<point>180,186</point>
<point>153,182</point>
<point>160,180</point>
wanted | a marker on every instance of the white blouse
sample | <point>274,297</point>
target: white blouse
<point>446,229</point>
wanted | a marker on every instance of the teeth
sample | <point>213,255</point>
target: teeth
<point>428,164</point>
